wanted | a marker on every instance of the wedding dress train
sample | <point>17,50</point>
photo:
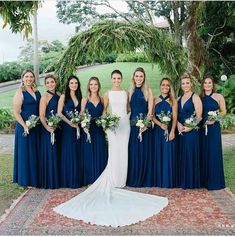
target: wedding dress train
<point>104,203</point>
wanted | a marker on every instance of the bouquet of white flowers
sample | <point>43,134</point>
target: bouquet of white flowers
<point>85,119</point>
<point>165,118</point>
<point>53,121</point>
<point>108,121</point>
<point>192,122</point>
<point>143,123</point>
<point>31,122</point>
<point>75,119</point>
<point>211,116</point>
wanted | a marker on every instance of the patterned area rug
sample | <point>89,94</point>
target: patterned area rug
<point>190,212</point>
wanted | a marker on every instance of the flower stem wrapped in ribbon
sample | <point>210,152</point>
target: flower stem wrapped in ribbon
<point>212,116</point>
<point>85,120</point>
<point>165,118</point>
<point>75,119</point>
<point>53,122</point>
<point>143,123</point>
<point>108,121</point>
<point>31,122</point>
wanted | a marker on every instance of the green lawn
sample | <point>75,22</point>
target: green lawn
<point>10,191</point>
<point>103,73</point>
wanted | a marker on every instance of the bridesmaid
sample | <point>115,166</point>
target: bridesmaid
<point>26,152</point>
<point>71,172</point>
<point>49,177</point>
<point>164,146</point>
<point>95,154</point>
<point>212,172</point>
<point>139,163</point>
<point>189,150</point>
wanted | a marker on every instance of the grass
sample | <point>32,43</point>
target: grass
<point>10,191</point>
<point>229,168</point>
<point>103,73</point>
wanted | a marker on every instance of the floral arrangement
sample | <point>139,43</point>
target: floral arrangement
<point>211,116</point>
<point>143,123</point>
<point>31,122</point>
<point>75,119</point>
<point>192,122</point>
<point>108,121</point>
<point>53,121</point>
<point>165,118</point>
<point>85,120</point>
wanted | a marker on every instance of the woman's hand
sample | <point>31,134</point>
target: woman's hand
<point>210,122</point>
<point>180,127</point>
<point>86,130</point>
<point>50,129</point>
<point>186,129</point>
<point>171,136</point>
<point>163,126</point>
<point>26,130</point>
<point>73,125</point>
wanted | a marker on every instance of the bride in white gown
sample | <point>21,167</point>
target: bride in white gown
<point>104,203</point>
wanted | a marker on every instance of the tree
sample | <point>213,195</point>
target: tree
<point>17,15</point>
<point>116,36</point>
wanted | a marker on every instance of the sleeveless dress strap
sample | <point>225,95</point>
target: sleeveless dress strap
<point>164,98</point>
<point>51,93</point>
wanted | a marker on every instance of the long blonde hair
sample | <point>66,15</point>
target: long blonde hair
<point>144,86</point>
<point>171,91</point>
<point>88,92</point>
<point>22,86</point>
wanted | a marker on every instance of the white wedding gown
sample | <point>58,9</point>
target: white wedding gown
<point>104,203</point>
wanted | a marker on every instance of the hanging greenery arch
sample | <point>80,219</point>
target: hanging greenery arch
<point>114,36</point>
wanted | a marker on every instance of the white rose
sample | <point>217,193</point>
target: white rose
<point>50,124</point>
<point>28,123</point>
<point>166,119</point>
<point>211,113</point>
<point>83,124</point>
<point>188,121</point>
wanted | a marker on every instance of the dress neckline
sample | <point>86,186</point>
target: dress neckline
<point>182,106</point>
<point>164,98</point>
<point>51,93</point>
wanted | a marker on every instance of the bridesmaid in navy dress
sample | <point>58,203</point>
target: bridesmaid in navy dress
<point>49,159</point>
<point>26,152</point>
<point>212,171</point>
<point>71,165</point>
<point>189,149</point>
<point>164,146</point>
<point>95,154</point>
<point>139,157</point>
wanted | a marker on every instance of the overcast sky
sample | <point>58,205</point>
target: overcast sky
<point>49,29</point>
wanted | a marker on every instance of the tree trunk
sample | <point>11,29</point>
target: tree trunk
<point>194,42</point>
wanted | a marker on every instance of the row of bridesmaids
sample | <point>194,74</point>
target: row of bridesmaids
<point>188,158</point>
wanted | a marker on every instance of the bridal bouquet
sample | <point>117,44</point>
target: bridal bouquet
<point>211,116</point>
<point>85,119</point>
<point>165,118</point>
<point>31,122</point>
<point>143,123</point>
<point>192,122</point>
<point>75,119</point>
<point>108,121</point>
<point>53,121</point>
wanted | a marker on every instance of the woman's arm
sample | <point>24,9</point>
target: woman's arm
<point>106,102</point>
<point>128,102</point>
<point>174,119</point>
<point>222,105</point>
<point>83,104</point>
<point>42,113</point>
<point>17,104</point>
<point>150,103</point>
<point>60,109</point>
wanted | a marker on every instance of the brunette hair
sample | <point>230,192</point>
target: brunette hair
<point>171,92</point>
<point>202,94</point>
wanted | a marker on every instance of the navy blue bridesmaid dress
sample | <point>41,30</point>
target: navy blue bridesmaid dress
<point>71,165</point>
<point>189,149</point>
<point>139,153</point>
<point>49,159</point>
<point>26,152</point>
<point>212,171</point>
<point>164,172</point>
<point>95,154</point>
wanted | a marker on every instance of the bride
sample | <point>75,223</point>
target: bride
<point>104,203</point>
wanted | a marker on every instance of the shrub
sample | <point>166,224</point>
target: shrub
<point>132,57</point>
<point>228,121</point>
<point>6,118</point>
